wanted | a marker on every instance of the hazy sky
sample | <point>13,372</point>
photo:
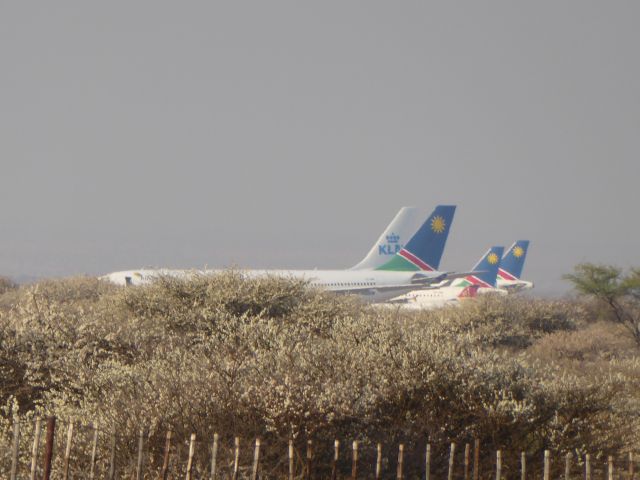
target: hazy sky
<point>287,134</point>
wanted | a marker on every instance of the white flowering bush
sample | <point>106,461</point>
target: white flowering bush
<point>275,359</point>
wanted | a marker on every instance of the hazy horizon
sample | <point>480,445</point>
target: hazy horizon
<point>287,135</point>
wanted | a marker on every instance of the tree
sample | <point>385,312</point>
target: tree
<point>7,284</point>
<point>618,291</point>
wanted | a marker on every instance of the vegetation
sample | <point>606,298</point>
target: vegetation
<point>276,359</point>
<point>619,293</point>
<point>6,284</point>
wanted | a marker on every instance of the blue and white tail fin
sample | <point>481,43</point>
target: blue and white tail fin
<point>424,250</point>
<point>513,261</point>
<point>488,267</point>
<point>394,237</point>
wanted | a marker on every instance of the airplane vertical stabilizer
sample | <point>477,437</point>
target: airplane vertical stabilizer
<point>488,266</point>
<point>394,237</point>
<point>513,262</point>
<point>424,250</point>
<point>470,291</point>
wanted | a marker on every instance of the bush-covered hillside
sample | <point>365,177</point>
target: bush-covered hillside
<point>273,359</point>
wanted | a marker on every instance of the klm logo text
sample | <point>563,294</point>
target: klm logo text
<point>391,247</point>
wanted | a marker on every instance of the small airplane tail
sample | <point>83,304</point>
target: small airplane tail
<point>470,291</point>
<point>397,233</point>
<point>513,261</point>
<point>424,250</point>
<point>488,269</point>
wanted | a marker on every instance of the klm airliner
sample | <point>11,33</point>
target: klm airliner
<point>413,266</point>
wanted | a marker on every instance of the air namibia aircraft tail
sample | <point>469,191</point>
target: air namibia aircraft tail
<point>511,267</point>
<point>468,292</point>
<point>424,250</point>
<point>513,261</point>
<point>399,231</point>
<point>486,270</point>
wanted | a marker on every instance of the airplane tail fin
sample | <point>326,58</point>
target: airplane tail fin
<point>513,262</point>
<point>424,250</point>
<point>488,266</point>
<point>470,291</point>
<point>397,233</point>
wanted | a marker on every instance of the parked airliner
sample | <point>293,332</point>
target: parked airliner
<point>482,281</point>
<point>413,266</point>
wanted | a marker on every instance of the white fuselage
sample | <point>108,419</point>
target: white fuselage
<point>438,297</point>
<point>372,285</point>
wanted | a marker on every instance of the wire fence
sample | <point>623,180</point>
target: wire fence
<point>52,449</point>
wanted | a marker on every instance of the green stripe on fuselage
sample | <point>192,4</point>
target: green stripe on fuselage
<point>398,264</point>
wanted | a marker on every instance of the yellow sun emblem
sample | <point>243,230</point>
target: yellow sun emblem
<point>492,258</point>
<point>518,251</point>
<point>438,224</point>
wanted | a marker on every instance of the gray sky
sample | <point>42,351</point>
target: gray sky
<point>287,134</point>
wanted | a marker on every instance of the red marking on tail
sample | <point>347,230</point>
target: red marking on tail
<point>476,282</point>
<point>415,260</point>
<point>506,275</point>
<point>469,292</point>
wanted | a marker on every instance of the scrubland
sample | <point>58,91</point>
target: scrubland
<point>276,359</point>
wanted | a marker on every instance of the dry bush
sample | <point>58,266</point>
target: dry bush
<point>6,285</point>
<point>510,323</point>
<point>597,342</point>
<point>273,358</point>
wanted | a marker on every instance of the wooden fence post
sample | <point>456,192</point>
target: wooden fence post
<point>427,462</point>
<point>14,447</point>
<point>112,457</point>
<point>467,460</point>
<point>67,451</point>
<point>35,449</point>
<point>610,467</point>
<point>378,461</point>
<point>214,456</point>
<point>165,458</point>
<point>192,450</point>
<point>334,461</point>
<point>523,466</point>
<point>400,473</point>
<point>587,467</point>
<point>354,460</point>
<point>139,473</point>
<point>309,465</point>
<point>256,460</point>
<point>48,448</point>
<point>476,459</point>
<point>567,466</point>
<point>291,459</point>
<point>236,458</point>
<point>452,453</point>
<point>498,465</point>
<point>547,464</point>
